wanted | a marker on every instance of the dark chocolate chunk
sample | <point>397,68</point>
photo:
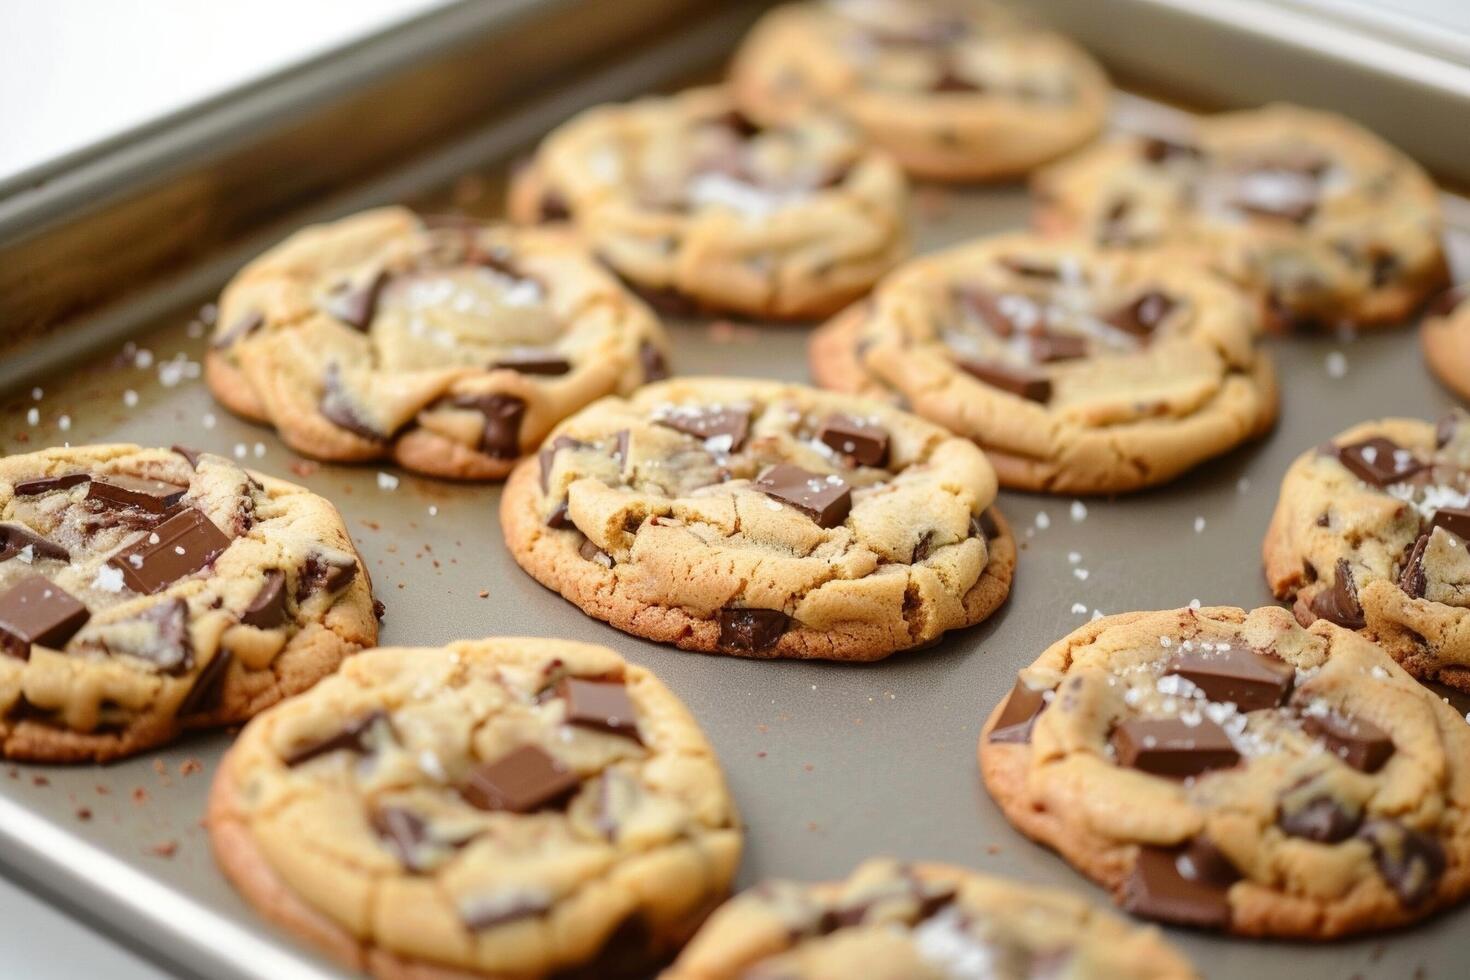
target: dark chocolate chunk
<point>864,441</point>
<point>560,517</point>
<point>268,609</point>
<point>524,780</point>
<point>1179,886</point>
<point>245,325</point>
<point>120,490</point>
<point>208,686</point>
<point>553,207</point>
<point>159,635</point>
<point>404,833</point>
<point>591,552</point>
<point>651,359</point>
<point>501,437</point>
<point>826,499</point>
<point>1310,812</point>
<point>922,548</point>
<point>539,362</point>
<point>603,705</point>
<point>717,422</point>
<point>1049,347</point>
<point>1448,301</point>
<point>1014,723</point>
<point>192,455</point>
<point>751,630</point>
<point>1339,604</point>
<point>180,546</point>
<point>1411,861</point>
<point>1143,316</point>
<point>1379,461</point>
<point>1444,430</point>
<point>1029,268</point>
<point>1158,149</point>
<point>1412,579</point>
<point>547,456</point>
<point>1169,747</point>
<point>1033,387</point>
<point>337,407</point>
<point>1455,520</point>
<point>16,538</point>
<point>497,910</point>
<point>1359,743</point>
<point>354,736</point>
<point>324,573</point>
<point>36,610</point>
<point>986,305</point>
<point>984,526</point>
<point>45,484</point>
<point>356,306</point>
<point>1248,679</point>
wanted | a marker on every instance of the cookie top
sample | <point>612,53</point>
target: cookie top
<point>501,807</point>
<point>1446,339</point>
<point>1079,370</point>
<point>144,591</point>
<point>925,922</point>
<point>953,89</point>
<point>1328,222</point>
<point>450,347</point>
<point>1232,770</point>
<point>1370,533</point>
<point>763,519</point>
<point>697,206</point>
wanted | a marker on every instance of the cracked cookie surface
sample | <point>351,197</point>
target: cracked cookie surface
<point>762,519</point>
<point>953,89</point>
<point>1328,223</point>
<point>892,921</point>
<point>1445,336</point>
<point>1236,771</point>
<point>506,808</point>
<point>1370,532</point>
<point>448,346</point>
<point>1077,369</point>
<point>148,591</point>
<point>698,207</point>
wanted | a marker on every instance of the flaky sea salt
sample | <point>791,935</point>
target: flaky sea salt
<point>1043,520</point>
<point>1079,511</point>
<point>1079,608</point>
<point>33,416</point>
<point>108,579</point>
<point>1081,574</point>
<point>130,398</point>
<point>1199,525</point>
<point>64,423</point>
<point>387,481</point>
<point>1337,365</point>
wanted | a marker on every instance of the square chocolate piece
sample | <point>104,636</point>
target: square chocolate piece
<point>602,705</point>
<point>179,546</point>
<point>1170,747</point>
<point>826,499</point>
<point>866,442</point>
<point>36,610</point>
<point>522,781</point>
<point>120,490</point>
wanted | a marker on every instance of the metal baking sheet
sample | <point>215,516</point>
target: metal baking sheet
<point>829,763</point>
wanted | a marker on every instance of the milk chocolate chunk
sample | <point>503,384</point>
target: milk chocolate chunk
<point>338,407</point>
<point>120,490</point>
<point>403,832</point>
<point>1032,387</point>
<point>1182,886</point>
<point>866,442</point>
<point>45,484</point>
<point>826,499</point>
<point>268,609</point>
<point>354,736</point>
<point>716,422</point>
<point>1142,316</point>
<point>987,306</point>
<point>1359,743</point>
<point>1379,461</point>
<point>751,630</point>
<point>1023,706</point>
<point>553,207</point>
<point>603,705</point>
<point>524,780</point>
<point>357,305</point>
<point>1169,747</point>
<point>324,573</point>
<point>651,359</point>
<point>539,362</point>
<point>243,327</point>
<point>1410,861</point>
<point>1310,812</point>
<point>1050,347</point>
<point>501,437</point>
<point>16,538</point>
<point>1455,520</point>
<point>591,552</point>
<point>1247,679</point>
<point>179,546</point>
<point>208,686</point>
<point>1339,604</point>
<point>36,610</point>
<point>489,911</point>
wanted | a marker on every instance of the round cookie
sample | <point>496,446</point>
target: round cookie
<point>762,520</point>
<point>953,89</point>
<point>920,922</point>
<point>1078,370</point>
<point>1370,533</point>
<point>1235,771</point>
<point>1330,224</point>
<point>449,347</point>
<point>696,207</point>
<point>144,592</point>
<point>500,808</point>
<point>1446,339</point>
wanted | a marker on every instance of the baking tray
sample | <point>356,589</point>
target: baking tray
<point>829,763</point>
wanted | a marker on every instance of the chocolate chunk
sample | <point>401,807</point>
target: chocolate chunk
<point>16,538</point>
<point>1030,386</point>
<point>950,80</point>
<point>1379,461</point>
<point>1444,430</point>
<point>120,490</point>
<point>1029,268</point>
<point>524,780</point>
<point>208,686</point>
<point>159,635</point>
<point>501,437</point>
<point>716,422</point>
<point>245,325</point>
<point>1339,604</point>
<point>337,407</point>
<point>984,526</point>
<point>356,306</point>
<point>603,705</point>
<point>560,517</point>
<point>1359,743</point>
<point>1049,347</point>
<point>36,610</point>
<point>324,573</point>
<point>1158,149</point>
<point>1448,301</point>
<point>1455,520</point>
<point>45,484</point>
<point>1246,678</point>
<point>553,207</point>
<point>1023,706</point>
<point>268,609</point>
<point>591,552</point>
<point>987,306</point>
<point>496,910</point>
<point>179,546</point>
<point>751,630</point>
<point>1181,886</point>
<point>404,833</point>
<point>922,548</point>
<point>864,441</point>
<point>651,359</point>
<point>1411,861</point>
<point>539,362</point>
<point>354,736</point>
<point>547,456</point>
<point>1169,747</point>
<point>192,455</point>
<point>1412,579</point>
<point>827,500</point>
<point>1310,812</point>
<point>1142,316</point>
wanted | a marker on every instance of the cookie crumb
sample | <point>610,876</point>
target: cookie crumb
<point>190,766</point>
<point>140,795</point>
<point>84,813</point>
<point>165,849</point>
<point>484,593</point>
<point>304,467</point>
<point>40,781</point>
<point>160,767</point>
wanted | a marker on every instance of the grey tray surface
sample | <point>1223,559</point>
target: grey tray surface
<point>830,763</point>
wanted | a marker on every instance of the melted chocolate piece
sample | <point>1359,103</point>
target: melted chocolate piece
<point>357,306</point>
<point>208,686</point>
<point>827,500</point>
<point>243,327</point>
<point>180,546</point>
<point>1183,886</point>
<point>1359,743</point>
<point>987,307</point>
<point>1169,747</point>
<point>950,80</point>
<point>1014,723</point>
<point>192,455</point>
<point>1246,678</point>
<point>1029,268</point>
<point>1143,316</point>
<point>501,438</point>
<point>1339,604</point>
<point>16,538</point>
<point>864,441</point>
<point>486,913</point>
<point>547,457</point>
<point>1047,348</point>
<point>351,737</point>
<point>337,407</point>
<point>984,526</point>
<point>324,573</point>
<point>36,610</point>
<point>710,423</point>
<point>1412,579</point>
<point>1032,387</point>
<point>1315,814</point>
<point>1444,430</point>
<point>751,630</point>
<point>45,484</point>
<point>538,362</point>
<point>524,780</point>
<point>120,490</point>
<point>601,705</point>
<point>591,552</point>
<point>1379,461</point>
<point>268,609</point>
<point>1411,861</point>
<point>651,359</point>
<point>1455,520</point>
<point>1158,149</point>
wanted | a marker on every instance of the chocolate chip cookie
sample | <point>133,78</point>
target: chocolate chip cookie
<point>1330,224</point>
<point>762,520</point>
<point>1446,339</point>
<point>1236,771</point>
<point>148,591</point>
<point>698,207</point>
<point>921,922</point>
<point>447,346</point>
<point>1370,533</point>
<point>1079,370</point>
<point>953,90</point>
<point>495,808</point>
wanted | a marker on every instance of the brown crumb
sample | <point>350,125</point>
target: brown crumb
<point>992,849</point>
<point>190,766</point>
<point>371,525</point>
<point>140,795</point>
<point>160,767</point>
<point>102,790</point>
<point>13,772</point>
<point>84,813</point>
<point>484,593</point>
<point>932,203</point>
<point>761,754</point>
<point>304,467</point>
<point>166,849</point>
<point>808,767</point>
<point>40,780</point>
